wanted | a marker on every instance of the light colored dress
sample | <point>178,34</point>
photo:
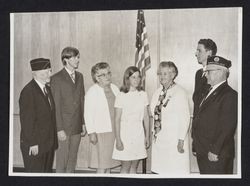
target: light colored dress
<point>131,127</point>
<point>175,124</point>
<point>99,118</point>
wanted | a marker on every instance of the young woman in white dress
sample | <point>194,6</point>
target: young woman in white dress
<point>131,122</point>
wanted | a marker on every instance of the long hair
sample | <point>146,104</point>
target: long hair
<point>126,83</point>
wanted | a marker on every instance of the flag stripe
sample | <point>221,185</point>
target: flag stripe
<point>142,57</point>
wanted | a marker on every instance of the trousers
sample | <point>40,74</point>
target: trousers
<point>66,154</point>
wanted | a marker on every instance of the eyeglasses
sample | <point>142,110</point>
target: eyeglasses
<point>104,75</point>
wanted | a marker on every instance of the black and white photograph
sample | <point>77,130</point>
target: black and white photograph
<point>143,93</point>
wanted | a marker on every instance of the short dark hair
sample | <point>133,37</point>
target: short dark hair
<point>126,84</point>
<point>209,44</point>
<point>170,65</point>
<point>67,53</point>
<point>96,67</point>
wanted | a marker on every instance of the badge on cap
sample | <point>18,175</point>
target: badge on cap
<point>216,59</point>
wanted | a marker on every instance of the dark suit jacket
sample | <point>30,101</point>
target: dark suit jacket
<point>215,123</point>
<point>200,89</point>
<point>69,101</point>
<point>38,125</point>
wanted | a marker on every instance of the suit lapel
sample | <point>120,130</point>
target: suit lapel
<point>212,96</point>
<point>76,77</point>
<point>74,86</point>
<point>202,79</point>
<point>52,106</point>
<point>77,84</point>
<point>68,78</point>
<point>40,92</point>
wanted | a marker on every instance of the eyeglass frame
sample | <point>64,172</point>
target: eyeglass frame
<point>104,75</point>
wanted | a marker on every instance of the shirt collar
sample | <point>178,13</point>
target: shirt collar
<point>217,85</point>
<point>40,84</point>
<point>203,71</point>
<point>69,72</point>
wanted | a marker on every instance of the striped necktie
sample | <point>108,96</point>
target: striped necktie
<point>73,77</point>
<point>46,94</point>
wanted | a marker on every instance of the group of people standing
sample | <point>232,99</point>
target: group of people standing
<point>122,123</point>
<point>215,112</point>
<point>114,120</point>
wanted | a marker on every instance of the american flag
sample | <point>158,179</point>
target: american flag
<point>142,58</point>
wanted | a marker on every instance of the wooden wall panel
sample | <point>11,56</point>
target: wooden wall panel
<point>35,31</point>
<point>55,50</point>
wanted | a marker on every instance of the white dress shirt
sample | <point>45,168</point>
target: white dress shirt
<point>70,74</point>
<point>40,85</point>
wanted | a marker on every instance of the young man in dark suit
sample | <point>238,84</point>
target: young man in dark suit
<point>68,92</point>
<point>216,121</point>
<point>37,115</point>
<point>205,48</point>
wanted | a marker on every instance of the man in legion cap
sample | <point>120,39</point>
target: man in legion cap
<point>216,121</point>
<point>37,116</point>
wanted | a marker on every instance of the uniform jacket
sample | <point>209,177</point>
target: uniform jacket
<point>37,116</point>
<point>69,101</point>
<point>215,123</point>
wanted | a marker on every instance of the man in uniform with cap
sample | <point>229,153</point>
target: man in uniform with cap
<point>37,115</point>
<point>216,121</point>
<point>68,90</point>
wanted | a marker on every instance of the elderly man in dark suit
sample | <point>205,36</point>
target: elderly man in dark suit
<point>68,91</point>
<point>37,116</point>
<point>216,121</point>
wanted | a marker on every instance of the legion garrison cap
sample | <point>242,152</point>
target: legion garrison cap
<point>40,64</point>
<point>217,62</point>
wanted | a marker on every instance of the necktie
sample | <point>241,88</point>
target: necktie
<point>73,77</point>
<point>157,110</point>
<point>46,94</point>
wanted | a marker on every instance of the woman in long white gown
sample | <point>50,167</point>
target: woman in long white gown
<point>170,109</point>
